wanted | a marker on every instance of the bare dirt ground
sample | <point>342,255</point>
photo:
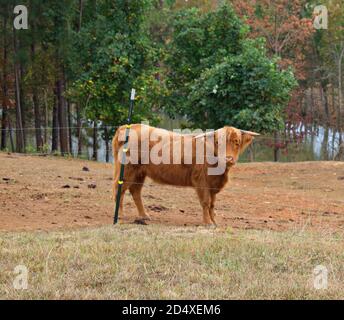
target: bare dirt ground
<point>49,193</point>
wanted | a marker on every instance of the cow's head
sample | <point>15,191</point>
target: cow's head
<point>229,142</point>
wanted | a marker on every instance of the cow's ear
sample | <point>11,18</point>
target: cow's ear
<point>246,140</point>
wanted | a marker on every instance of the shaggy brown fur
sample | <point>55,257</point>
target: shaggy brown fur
<point>183,174</point>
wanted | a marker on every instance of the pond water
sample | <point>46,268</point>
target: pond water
<point>301,144</point>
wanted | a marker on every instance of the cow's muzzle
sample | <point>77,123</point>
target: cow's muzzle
<point>230,161</point>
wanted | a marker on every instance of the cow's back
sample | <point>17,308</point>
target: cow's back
<point>175,165</point>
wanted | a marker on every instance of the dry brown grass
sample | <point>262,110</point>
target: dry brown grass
<point>157,262</point>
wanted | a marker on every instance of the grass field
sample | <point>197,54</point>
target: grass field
<point>157,262</point>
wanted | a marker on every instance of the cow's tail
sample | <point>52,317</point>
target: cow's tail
<point>116,147</point>
<point>117,143</point>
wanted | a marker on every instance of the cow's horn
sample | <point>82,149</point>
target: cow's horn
<point>207,134</point>
<point>253,134</point>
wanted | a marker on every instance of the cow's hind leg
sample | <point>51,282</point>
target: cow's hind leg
<point>204,198</point>
<point>115,190</point>
<point>125,187</point>
<point>135,190</point>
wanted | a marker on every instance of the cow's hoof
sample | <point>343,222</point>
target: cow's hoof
<point>145,218</point>
<point>141,222</point>
<point>210,226</point>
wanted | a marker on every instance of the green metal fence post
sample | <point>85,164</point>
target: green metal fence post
<point>125,148</point>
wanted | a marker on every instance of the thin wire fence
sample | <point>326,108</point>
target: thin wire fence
<point>201,188</point>
<point>59,128</point>
<point>295,136</point>
<point>296,141</point>
<point>308,210</point>
<point>302,187</point>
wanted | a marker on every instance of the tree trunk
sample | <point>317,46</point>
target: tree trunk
<point>78,111</point>
<point>340,92</point>
<point>11,135</point>
<point>324,147</point>
<point>95,141</point>
<point>333,98</point>
<point>3,127</point>
<point>324,96</point>
<point>19,123</point>
<point>4,89</point>
<point>276,146</point>
<point>70,135</point>
<point>46,118</point>
<point>340,154</point>
<point>62,117</point>
<point>79,129</point>
<point>69,116</point>
<point>81,9</point>
<point>314,108</point>
<point>55,132</point>
<point>21,74</point>
<point>38,129</point>
<point>37,114</point>
<point>310,111</point>
<point>107,145</point>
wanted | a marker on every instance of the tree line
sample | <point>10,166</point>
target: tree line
<point>258,65</point>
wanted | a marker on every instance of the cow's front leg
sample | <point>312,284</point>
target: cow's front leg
<point>212,207</point>
<point>135,191</point>
<point>204,198</point>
